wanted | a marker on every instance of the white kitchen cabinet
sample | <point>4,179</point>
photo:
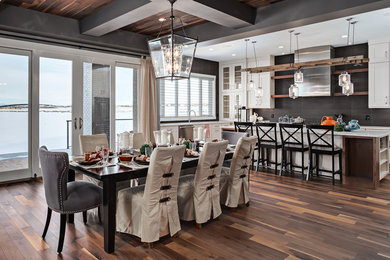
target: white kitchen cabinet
<point>379,85</point>
<point>234,93</point>
<point>379,52</point>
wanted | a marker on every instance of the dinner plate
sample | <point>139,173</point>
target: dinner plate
<point>141,162</point>
<point>88,162</point>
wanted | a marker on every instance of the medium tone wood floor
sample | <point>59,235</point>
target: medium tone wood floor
<point>287,219</point>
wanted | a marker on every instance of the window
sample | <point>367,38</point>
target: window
<point>179,97</point>
<point>125,98</point>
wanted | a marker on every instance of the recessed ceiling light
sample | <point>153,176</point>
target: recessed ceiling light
<point>233,54</point>
<point>344,36</point>
<point>211,49</point>
<point>281,47</point>
<point>162,19</point>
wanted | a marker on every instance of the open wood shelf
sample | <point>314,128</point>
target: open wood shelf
<point>361,93</point>
<point>351,71</point>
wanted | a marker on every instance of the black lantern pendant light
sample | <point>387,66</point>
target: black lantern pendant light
<point>172,55</point>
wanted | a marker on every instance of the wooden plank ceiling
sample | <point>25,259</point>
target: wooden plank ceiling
<point>76,9</point>
<point>79,9</point>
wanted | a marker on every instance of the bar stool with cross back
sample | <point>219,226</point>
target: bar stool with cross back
<point>292,141</point>
<point>267,140</point>
<point>321,146</point>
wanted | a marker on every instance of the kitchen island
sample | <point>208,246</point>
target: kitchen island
<point>365,159</point>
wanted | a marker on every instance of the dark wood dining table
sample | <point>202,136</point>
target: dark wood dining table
<point>109,176</point>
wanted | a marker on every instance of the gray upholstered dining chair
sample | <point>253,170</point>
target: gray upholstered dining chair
<point>62,196</point>
<point>198,195</point>
<point>150,211</point>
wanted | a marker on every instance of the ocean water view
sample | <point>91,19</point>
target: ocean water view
<point>52,126</point>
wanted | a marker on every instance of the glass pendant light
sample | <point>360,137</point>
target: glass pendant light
<point>251,83</point>
<point>173,54</point>
<point>344,78</point>
<point>298,75</point>
<point>348,89</point>
<point>293,91</point>
<point>259,91</point>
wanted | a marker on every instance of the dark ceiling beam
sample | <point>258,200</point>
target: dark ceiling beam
<point>37,26</point>
<point>229,13</point>
<point>285,15</point>
<point>119,14</point>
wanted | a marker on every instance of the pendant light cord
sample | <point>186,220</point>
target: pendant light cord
<point>246,59</point>
<point>254,51</point>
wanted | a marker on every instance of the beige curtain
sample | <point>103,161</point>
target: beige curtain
<point>147,113</point>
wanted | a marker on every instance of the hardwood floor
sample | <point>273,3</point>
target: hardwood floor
<point>287,219</point>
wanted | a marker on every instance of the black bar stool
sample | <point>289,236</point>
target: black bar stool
<point>267,140</point>
<point>292,141</point>
<point>321,146</point>
<point>248,128</point>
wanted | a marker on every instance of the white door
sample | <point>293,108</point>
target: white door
<point>15,114</point>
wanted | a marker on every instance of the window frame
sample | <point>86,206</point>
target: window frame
<point>213,106</point>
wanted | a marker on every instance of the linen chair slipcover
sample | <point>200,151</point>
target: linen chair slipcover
<point>150,211</point>
<point>88,143</point>
<point>198,195</point>
<point>234,181</point>
<point>62,196</point>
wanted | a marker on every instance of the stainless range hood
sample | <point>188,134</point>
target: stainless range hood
<point>316,81</point>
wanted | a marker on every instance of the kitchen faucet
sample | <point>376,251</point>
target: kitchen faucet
<point>189,115</point>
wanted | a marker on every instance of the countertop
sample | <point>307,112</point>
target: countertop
<point>196,123</point>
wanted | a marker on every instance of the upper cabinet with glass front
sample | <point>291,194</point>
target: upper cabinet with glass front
<point>231,89</point>
<point>232,77</point>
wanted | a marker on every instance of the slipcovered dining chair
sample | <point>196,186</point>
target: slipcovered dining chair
<point>88,143</point>
<point>62,196</point>
<point>198,195</point>
<point>235,180</point>
<point>150,211</point>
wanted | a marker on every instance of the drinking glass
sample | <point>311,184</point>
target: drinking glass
<point>105,153</point>
<point>193,146</point>
<point>148,151</point>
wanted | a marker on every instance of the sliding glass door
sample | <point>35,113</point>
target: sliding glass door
<point>15,113</point>
<point>55,104</point>
<point>126,80</point>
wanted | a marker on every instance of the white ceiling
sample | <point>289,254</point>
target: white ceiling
<point>369,26</point>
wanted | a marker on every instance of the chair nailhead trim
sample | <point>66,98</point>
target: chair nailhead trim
<point>167,175</point>
<point>164,199</point>
<point>214,166</point>
<point>165,187</point>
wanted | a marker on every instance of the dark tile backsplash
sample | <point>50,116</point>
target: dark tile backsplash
<point>313,108</point>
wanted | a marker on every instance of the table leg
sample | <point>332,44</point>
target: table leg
<point>109,211</point>
<point>71,177</point>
